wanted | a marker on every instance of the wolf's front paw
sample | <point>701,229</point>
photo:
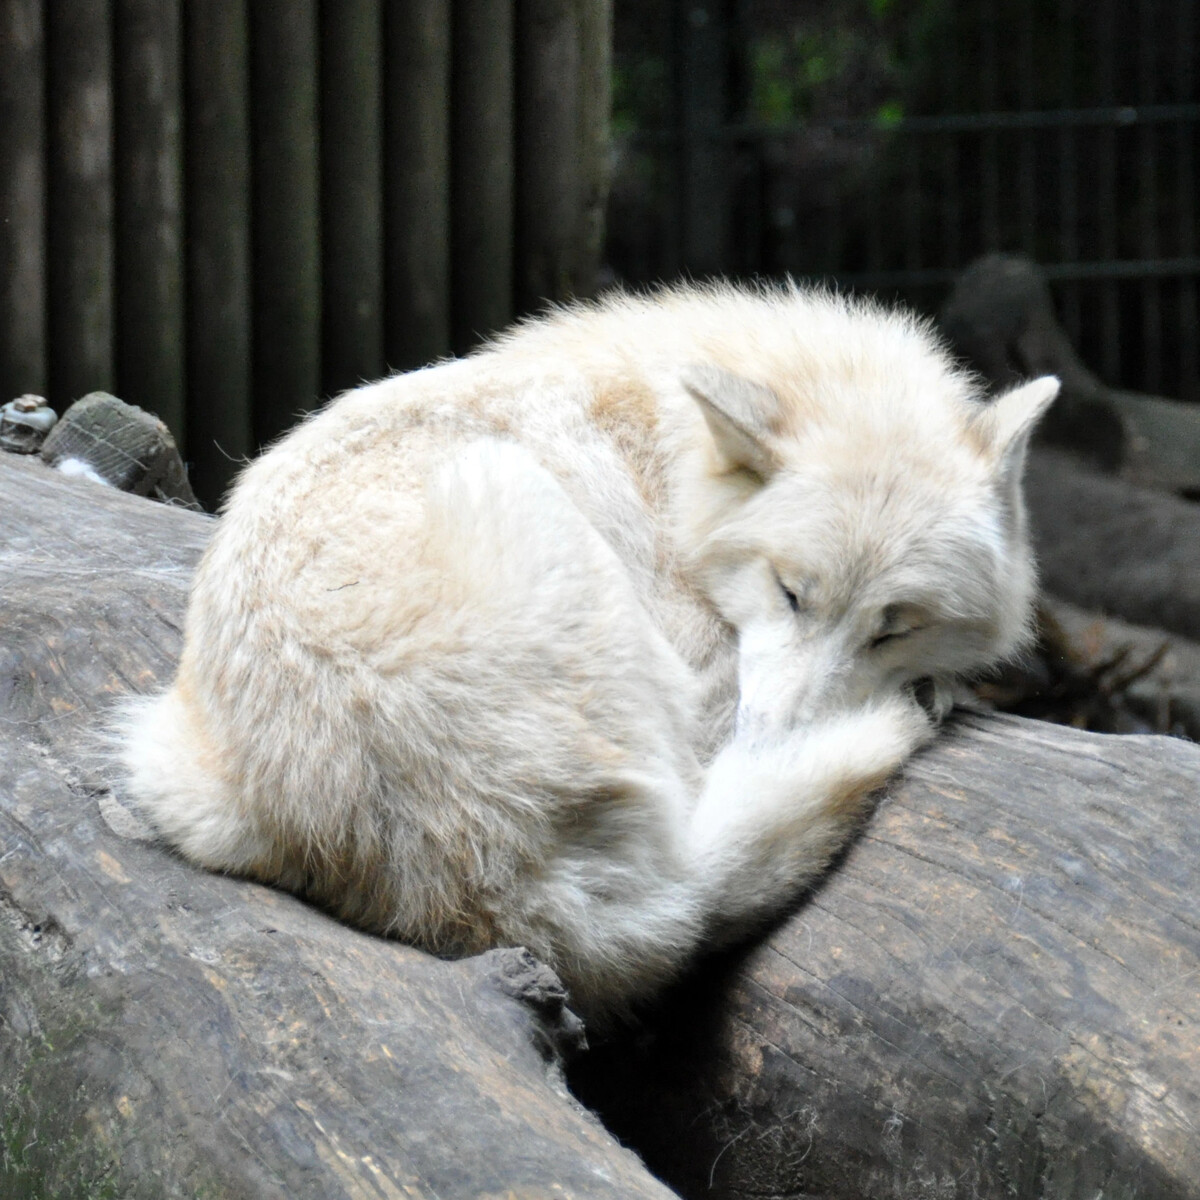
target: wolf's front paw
<point>868,745</point>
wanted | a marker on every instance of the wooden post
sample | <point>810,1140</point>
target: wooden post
<point>549,170</point>
<point>147,54</point>
<point>417,181</point>
<point>22,200</point>
<point>217,214</point>
<point>482,169</point>
<point>79,199</point>
<point>595,112</point>
<point>352,192</point>
<point>286,221</point>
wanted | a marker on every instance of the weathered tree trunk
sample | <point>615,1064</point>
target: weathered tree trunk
<point>168,1033</point>
<point>595,134</point>
<point>993,995</point>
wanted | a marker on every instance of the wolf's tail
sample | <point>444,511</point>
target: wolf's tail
<point>172,775</point>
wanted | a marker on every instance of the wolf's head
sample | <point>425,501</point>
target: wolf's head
<point>866,527</point>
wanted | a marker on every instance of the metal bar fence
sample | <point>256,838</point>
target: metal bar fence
<point>1065,131</point>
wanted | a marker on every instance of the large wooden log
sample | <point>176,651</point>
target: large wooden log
<point>167,1033</point>
<point>994,994</point>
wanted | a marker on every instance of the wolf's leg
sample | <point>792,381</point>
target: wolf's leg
<point>777,805</point>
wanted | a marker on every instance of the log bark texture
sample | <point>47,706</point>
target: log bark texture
<point>168,1033</point>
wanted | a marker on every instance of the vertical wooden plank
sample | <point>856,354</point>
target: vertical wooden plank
<point>79,199</point>
<point>703,89</point>
<point>1184,149</point>
<point>286,218</point>
<point>217,219</point>
<point>149,345</point>
<point>1105,190</point>
<point>1150,378</point>
<point>351,192</point>
<point>595,112</point>
<point>481,164</point>
<point>22,200</point>
<point>549,175</point>
<point>417,181</point>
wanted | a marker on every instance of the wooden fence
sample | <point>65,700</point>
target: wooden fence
<point>226,210</point>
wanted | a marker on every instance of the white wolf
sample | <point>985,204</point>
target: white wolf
<point>598,640</point>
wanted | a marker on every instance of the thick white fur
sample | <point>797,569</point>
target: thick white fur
<point>502,651</point>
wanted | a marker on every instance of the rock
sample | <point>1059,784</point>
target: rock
<point>109,441</point>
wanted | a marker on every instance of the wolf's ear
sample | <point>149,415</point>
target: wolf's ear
<point>1005,424</point>
<point>741,415</point>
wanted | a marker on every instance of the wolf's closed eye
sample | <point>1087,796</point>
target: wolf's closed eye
<point>791,597</point>
<point>893,635</point>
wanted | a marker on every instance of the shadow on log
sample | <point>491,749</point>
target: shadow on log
<point>995,994</point>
